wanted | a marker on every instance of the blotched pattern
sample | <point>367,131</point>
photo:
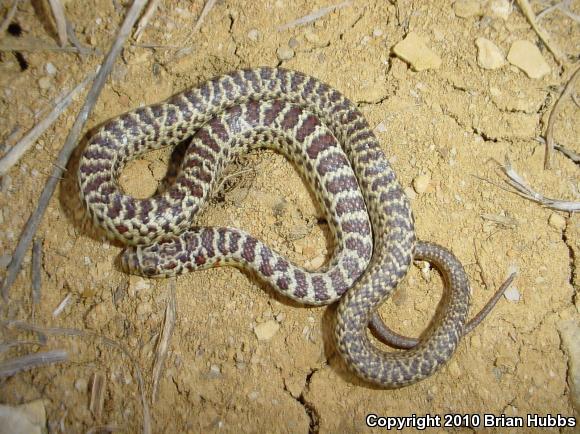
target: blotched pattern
<point>143,222</point>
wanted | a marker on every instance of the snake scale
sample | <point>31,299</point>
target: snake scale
<point>328,138</point>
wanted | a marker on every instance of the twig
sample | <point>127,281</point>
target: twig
<point>165,338</point>
<point>314,16</point>
<point>209,4</point>
<point>107,341</point>
<point>524,190</point>
<point>60,19</point>
<point>68,147</point>
<point>31,361</point>
<point>36,272</point>
<point>9,17</point>
<point>72,36</point>
<point>97,395</point>
<point>151,8</point>
<point>529,14</point>
<point>39,47</point>
<point>18,150</point>
<point>552,119</point>
<point>62,305</point>
<point>568,153</point>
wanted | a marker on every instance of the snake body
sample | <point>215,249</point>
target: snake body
<point>145,222</point>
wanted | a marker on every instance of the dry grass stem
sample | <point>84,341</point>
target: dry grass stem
<point>164,340</point>
<point>568,90</point>
<point>60,19</point>
<point>314,16</point>
<point>149,12</point>
<point>524,190</point>
<point>62,305</point>
<point>98,388</point>
<point>209,4</point>
<point>30,361</point>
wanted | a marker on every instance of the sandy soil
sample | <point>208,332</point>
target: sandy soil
<point>454,124</point>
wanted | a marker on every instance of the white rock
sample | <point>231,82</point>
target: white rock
<point>50,69</point>
<point>512,294</point>
<point>489,56</point>
<point>285,53</point>
<point>527,57</point>
<point>29,418</point>
<point>421,183</point>
<point>266,330</point>
<point>414,51</point>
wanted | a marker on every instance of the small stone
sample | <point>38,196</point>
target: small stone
<point>454,369</point>
<point>50,69</point>
<point>527,57</point>
<point>413,50</point>
<point>314,39</point>
<point>28,418</point>
<point>489,56</point>
<point>381,127</point>
<point>421,183</point>
<point>144,309</point>
<point>500,8</point>
<point>557,221</point>
<point>467,8</point>
<point>266,330</point>
<point>252,396</point>
<point>214,371</point>
<point>253,35</point>
<point>410,193</point>
<point>377,33</point>
<point>512,294</point>
<point>293,43</point>
<point>285,53</point>
<point>44,83</point>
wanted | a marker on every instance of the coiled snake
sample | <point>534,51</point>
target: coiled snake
<point>309,122</point>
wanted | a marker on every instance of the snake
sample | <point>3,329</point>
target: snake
<point>336,151</point>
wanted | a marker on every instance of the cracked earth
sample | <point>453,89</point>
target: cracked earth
<point>454,124</point>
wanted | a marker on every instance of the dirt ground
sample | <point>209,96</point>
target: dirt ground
<point>455,124</point>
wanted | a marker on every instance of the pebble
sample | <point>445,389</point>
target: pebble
<point>44,83</point>
<point>377,33</point>
<point>512,294</point>
<point>314,39</point>
<point>454,369</point>
<point>50,69</point>
<point>410,193</point>
<point>144,309</point>
<point>413,50</point>
<point>421,183</point>
<point>293,43</point>
<point>253,35</point>
<point>557,221</point>
<point>285,53</point>
<point>381,127</point>
<point>214,371</point>
<point>527,57</point>
<point>489,56</point>
<point>467,8</point>
<point>500,8</point>
<point>317,262</point>
<point>266,330</point>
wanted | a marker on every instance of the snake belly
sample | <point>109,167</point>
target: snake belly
<point>141,222</point>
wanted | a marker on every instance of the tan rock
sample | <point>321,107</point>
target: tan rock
<point>527,57</point>
<point>266,330</point>
<point>414,51</point>
<point>489,56</point>
<point>468,8</point>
